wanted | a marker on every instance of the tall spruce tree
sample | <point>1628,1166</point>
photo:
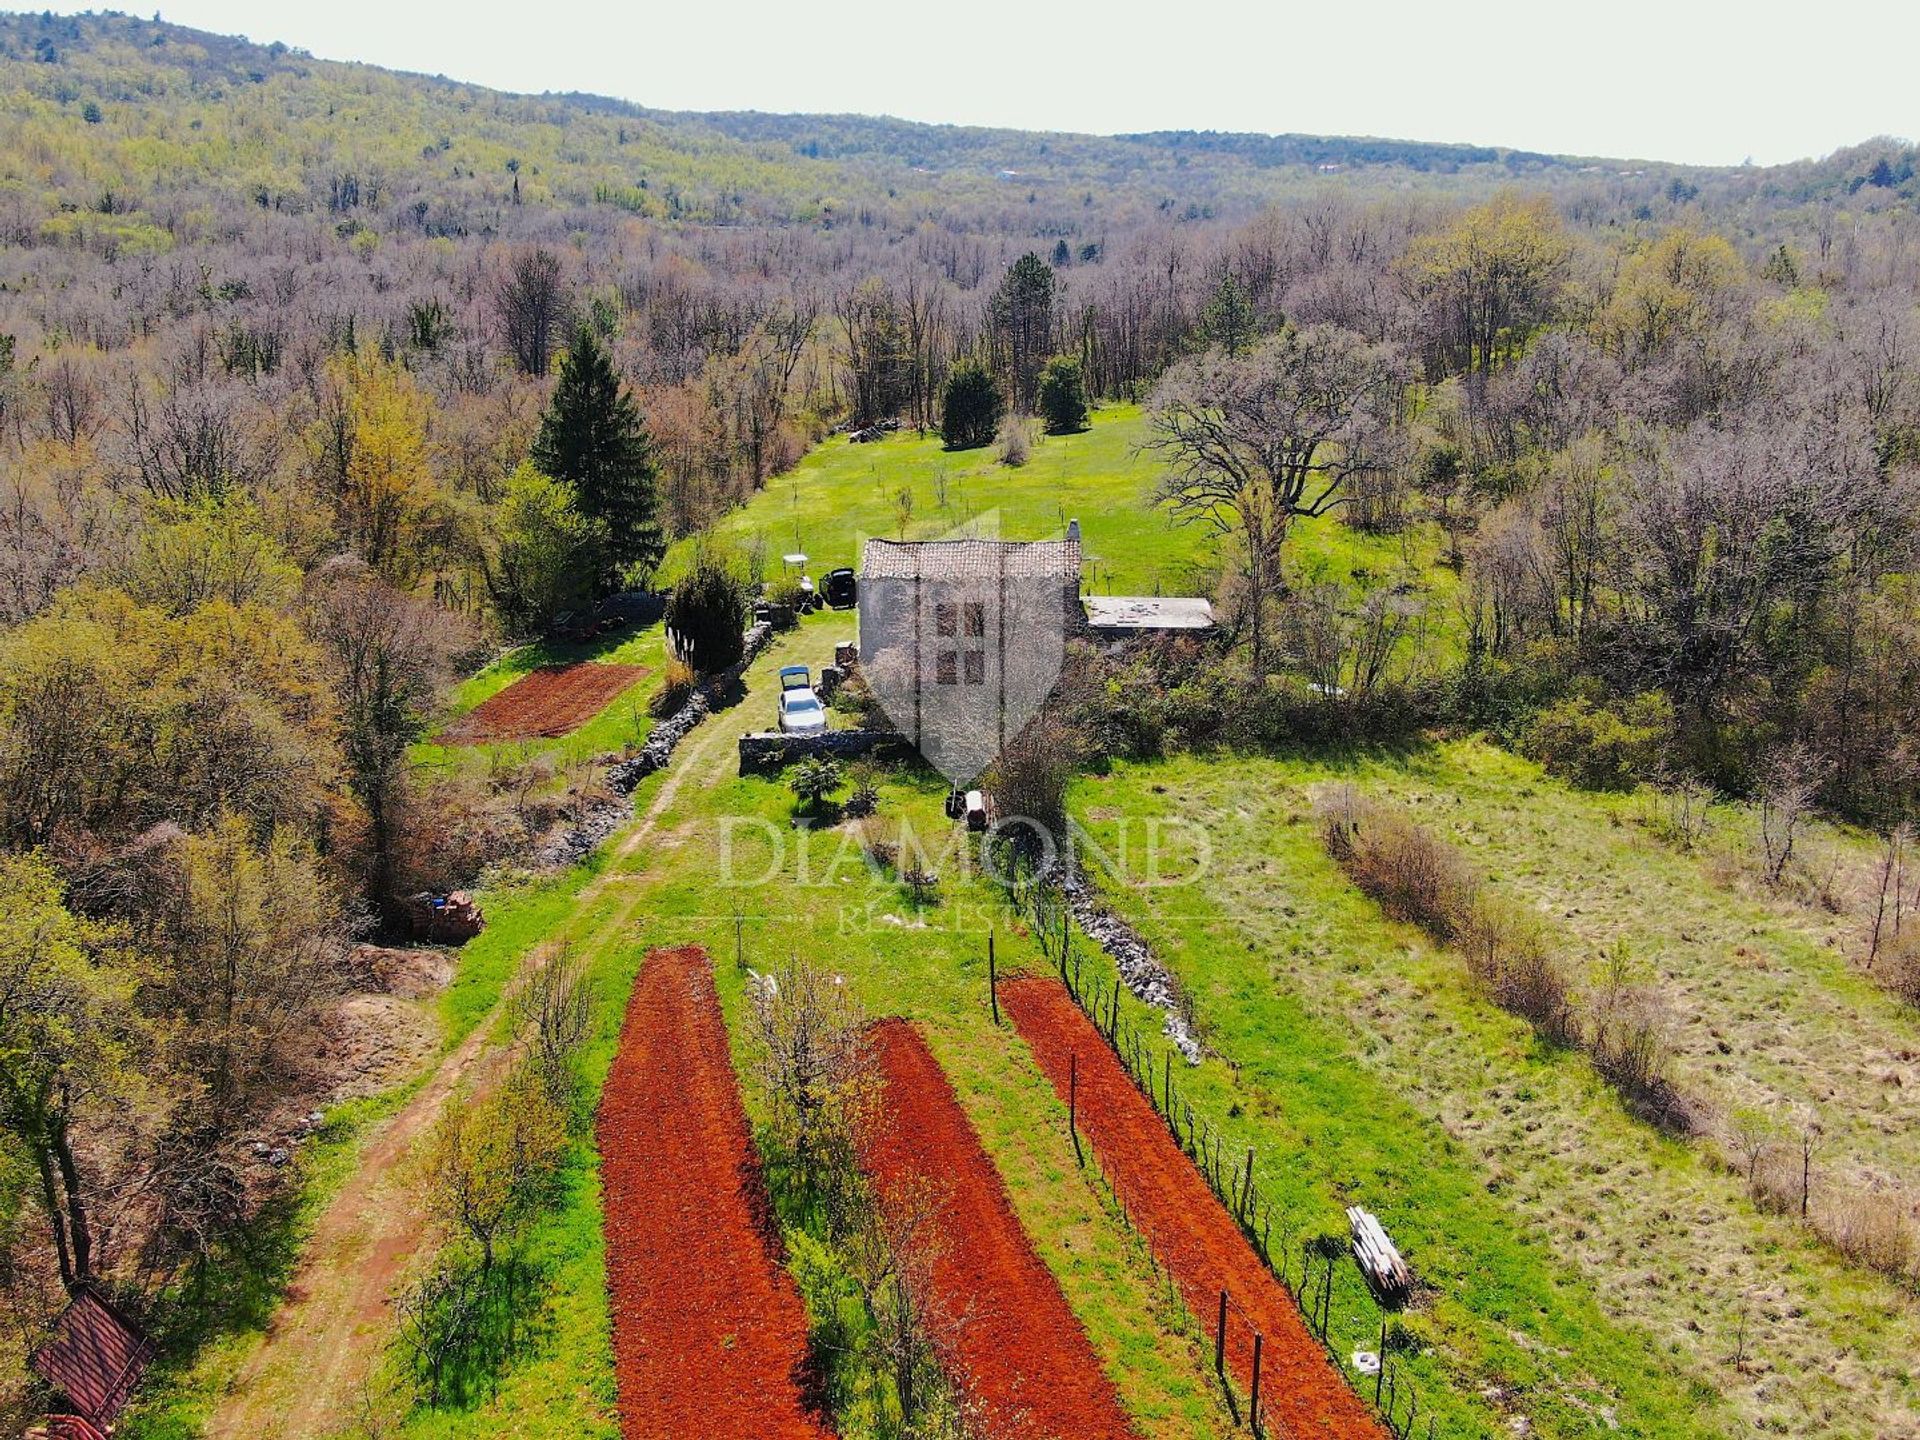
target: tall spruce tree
<point>592,437</point>
<point>1020,322</point>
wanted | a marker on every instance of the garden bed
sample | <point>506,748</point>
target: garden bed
<point>1302,1395</point>
<point>709,1333</point>
<point>1005,1332</point>
<point>544,704</point>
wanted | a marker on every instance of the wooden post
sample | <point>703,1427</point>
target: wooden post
<point>1380,1374</point>
<point>1066,939</point>
<point>1073,1104</point>
<point>1253,1406</point>
<point>993,979</point>
<point>1168,1106</point>
<point>1220,1337</point>
<point>1246,1191</point>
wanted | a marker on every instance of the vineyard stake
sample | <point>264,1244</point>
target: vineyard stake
<point>993,980</point>
<point>1383,1359</point>
<point>1168,1107</point>
<point>1073,1104</point>
<point>1253,1405</point>
<point>1220,1338</point>
<point>1246,1192</point>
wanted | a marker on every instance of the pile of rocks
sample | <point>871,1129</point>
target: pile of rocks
<point>1140,969</point>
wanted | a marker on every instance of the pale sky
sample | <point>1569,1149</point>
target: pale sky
<point>1710,83</point>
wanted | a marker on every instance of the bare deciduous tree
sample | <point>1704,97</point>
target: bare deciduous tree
<point>532,307</point>
<point>1254,442</point>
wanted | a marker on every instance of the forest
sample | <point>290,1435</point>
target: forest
<point>321,385</point>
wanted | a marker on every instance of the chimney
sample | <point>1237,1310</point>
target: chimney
<point>1073,530</point>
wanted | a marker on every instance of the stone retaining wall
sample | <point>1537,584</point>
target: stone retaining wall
<point>765,750</point>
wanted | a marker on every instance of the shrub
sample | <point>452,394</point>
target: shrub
<point>865,799</point>
<point>1509,956</point>
<point>1899,965</point>
<point>1413,875</point>
<point>1029,779</point>
<point>1016,442</point>
<point>1630,1047</point>
<point>789,594</point>
<point>971,406</point>
<point>1870,1229</point>
<point>1601,749</point>
<point>707,614</point>
<point>1063,395</point>
<point>676,684</point>
<point>815,778</point>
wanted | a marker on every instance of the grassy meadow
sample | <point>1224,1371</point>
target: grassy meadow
<point>1582,1263</point>
<point>843,494</point>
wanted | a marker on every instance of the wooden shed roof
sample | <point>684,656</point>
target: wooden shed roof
<point>95,1356</point>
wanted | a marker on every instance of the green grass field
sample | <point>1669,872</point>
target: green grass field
<point>842,494</point>
<point>1582,1264</point>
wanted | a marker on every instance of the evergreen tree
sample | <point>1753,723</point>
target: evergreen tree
<point>708,614</point>
<point>1063,396</point>
<point>1020,321</point>
<point>592,438</point>
<point>1227,319</point>
<point>972,406</point>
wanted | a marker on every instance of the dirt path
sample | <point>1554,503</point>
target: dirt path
<point>1196,1237</point>
<point>1005,1331</point>
<point>709,1334</point>
<point>300,1381</point>
<point>306,1376</point>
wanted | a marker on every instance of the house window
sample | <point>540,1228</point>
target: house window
<point>946,668</point>
<point>946,618</point>
<point>976,619</point>
<point>976,667</point>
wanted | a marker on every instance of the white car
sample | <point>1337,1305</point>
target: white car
<point>801,712</point>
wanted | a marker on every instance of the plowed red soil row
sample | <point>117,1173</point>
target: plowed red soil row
<point>1196,1238</point>
<point>709,1334</point>
<point>546,703</point>
<point>1005,1332</point>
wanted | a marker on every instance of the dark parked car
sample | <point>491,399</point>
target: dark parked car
<point>840,588</point>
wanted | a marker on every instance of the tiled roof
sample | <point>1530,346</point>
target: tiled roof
<point>96,1356</point>
<point>969,559</point>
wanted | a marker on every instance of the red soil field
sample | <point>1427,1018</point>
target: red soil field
<point>1013,1346</point>
<point>1193,1233</point>
<point>709,1333</point>
<point>544,704</point>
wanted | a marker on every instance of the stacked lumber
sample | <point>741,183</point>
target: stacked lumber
<point>1386,1273</point>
